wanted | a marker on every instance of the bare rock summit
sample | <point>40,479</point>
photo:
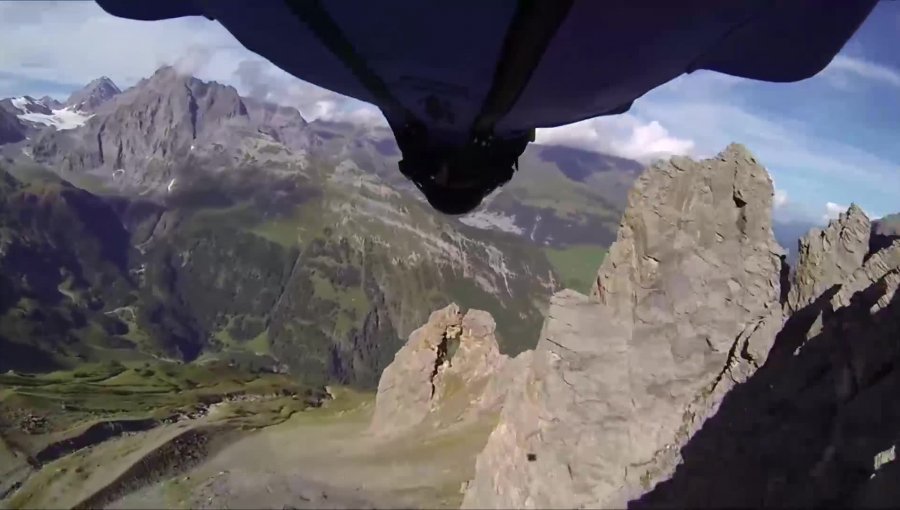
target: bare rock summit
<point>828,256</point>
<point>685,306</point>
<point>93,95</point>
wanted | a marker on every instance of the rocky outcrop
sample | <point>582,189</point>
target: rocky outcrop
<point>686,303</point>
<point>406,385</point>
<point>450,370</point>
<point>827,257</point>
<point>697,374</point>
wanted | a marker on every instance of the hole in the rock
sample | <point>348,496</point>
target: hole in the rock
<point>531,457</point>
<point>742,215</point>
<point>452,346</point>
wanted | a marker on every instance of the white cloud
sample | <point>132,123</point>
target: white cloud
<point>780,199</point>
<point>75,42</point>
<point>786,210</point>
<point>698,114</point>
<point>807,165</point>
<point>842,66</point>
<point>621,135</point>
<point>260,79</point>
<point>363,114</point>
<point>256,77</point>
<point>833,211</point>
<point>194,60</point>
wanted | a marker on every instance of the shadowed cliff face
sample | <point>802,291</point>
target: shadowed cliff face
<point>806,429</point>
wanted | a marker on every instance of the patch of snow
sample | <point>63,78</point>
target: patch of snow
<point>171,183</point>
<point>537,220</point>
<point>885,457</point>
<point>117,172</point>
<point>492,221</point>
<point>497,263</point>
<point>19,103</point>
<point>62,119</point>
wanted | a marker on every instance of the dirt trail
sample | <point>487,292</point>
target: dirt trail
<point>324,458</point>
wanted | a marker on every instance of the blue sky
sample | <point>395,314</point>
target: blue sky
<point>827,141</point>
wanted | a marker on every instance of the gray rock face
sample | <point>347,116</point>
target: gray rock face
<point>817,425</point>
<point>284,124</point>
<point>406,385</point>
<point>171,131</point>
<point>138,133</point>
<point>882,267</point>
<point>91,96</point>
<point>688,380</point>
<point>50,103</point>
<point>827,257</point>
<point>24,105</point>
<point>686,304</point>
<point>559,413</point>
<point>449,371</point>
<point>11,130</point>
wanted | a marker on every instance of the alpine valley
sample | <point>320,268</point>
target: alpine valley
<point>178,220</point>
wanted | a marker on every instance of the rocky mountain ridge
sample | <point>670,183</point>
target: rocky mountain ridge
<point>698,372</point>
<point>24,117</point>
<point>562,197</point>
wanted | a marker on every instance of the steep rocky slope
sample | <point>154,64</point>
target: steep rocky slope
<point>697,373</point>
<point>143,132</point>
<point>11,128</point>
<point>72,286</point>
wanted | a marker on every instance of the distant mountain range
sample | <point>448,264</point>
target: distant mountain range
<point>178,219</point>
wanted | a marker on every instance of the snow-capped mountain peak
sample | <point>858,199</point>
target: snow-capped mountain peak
<point>30,110</point>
